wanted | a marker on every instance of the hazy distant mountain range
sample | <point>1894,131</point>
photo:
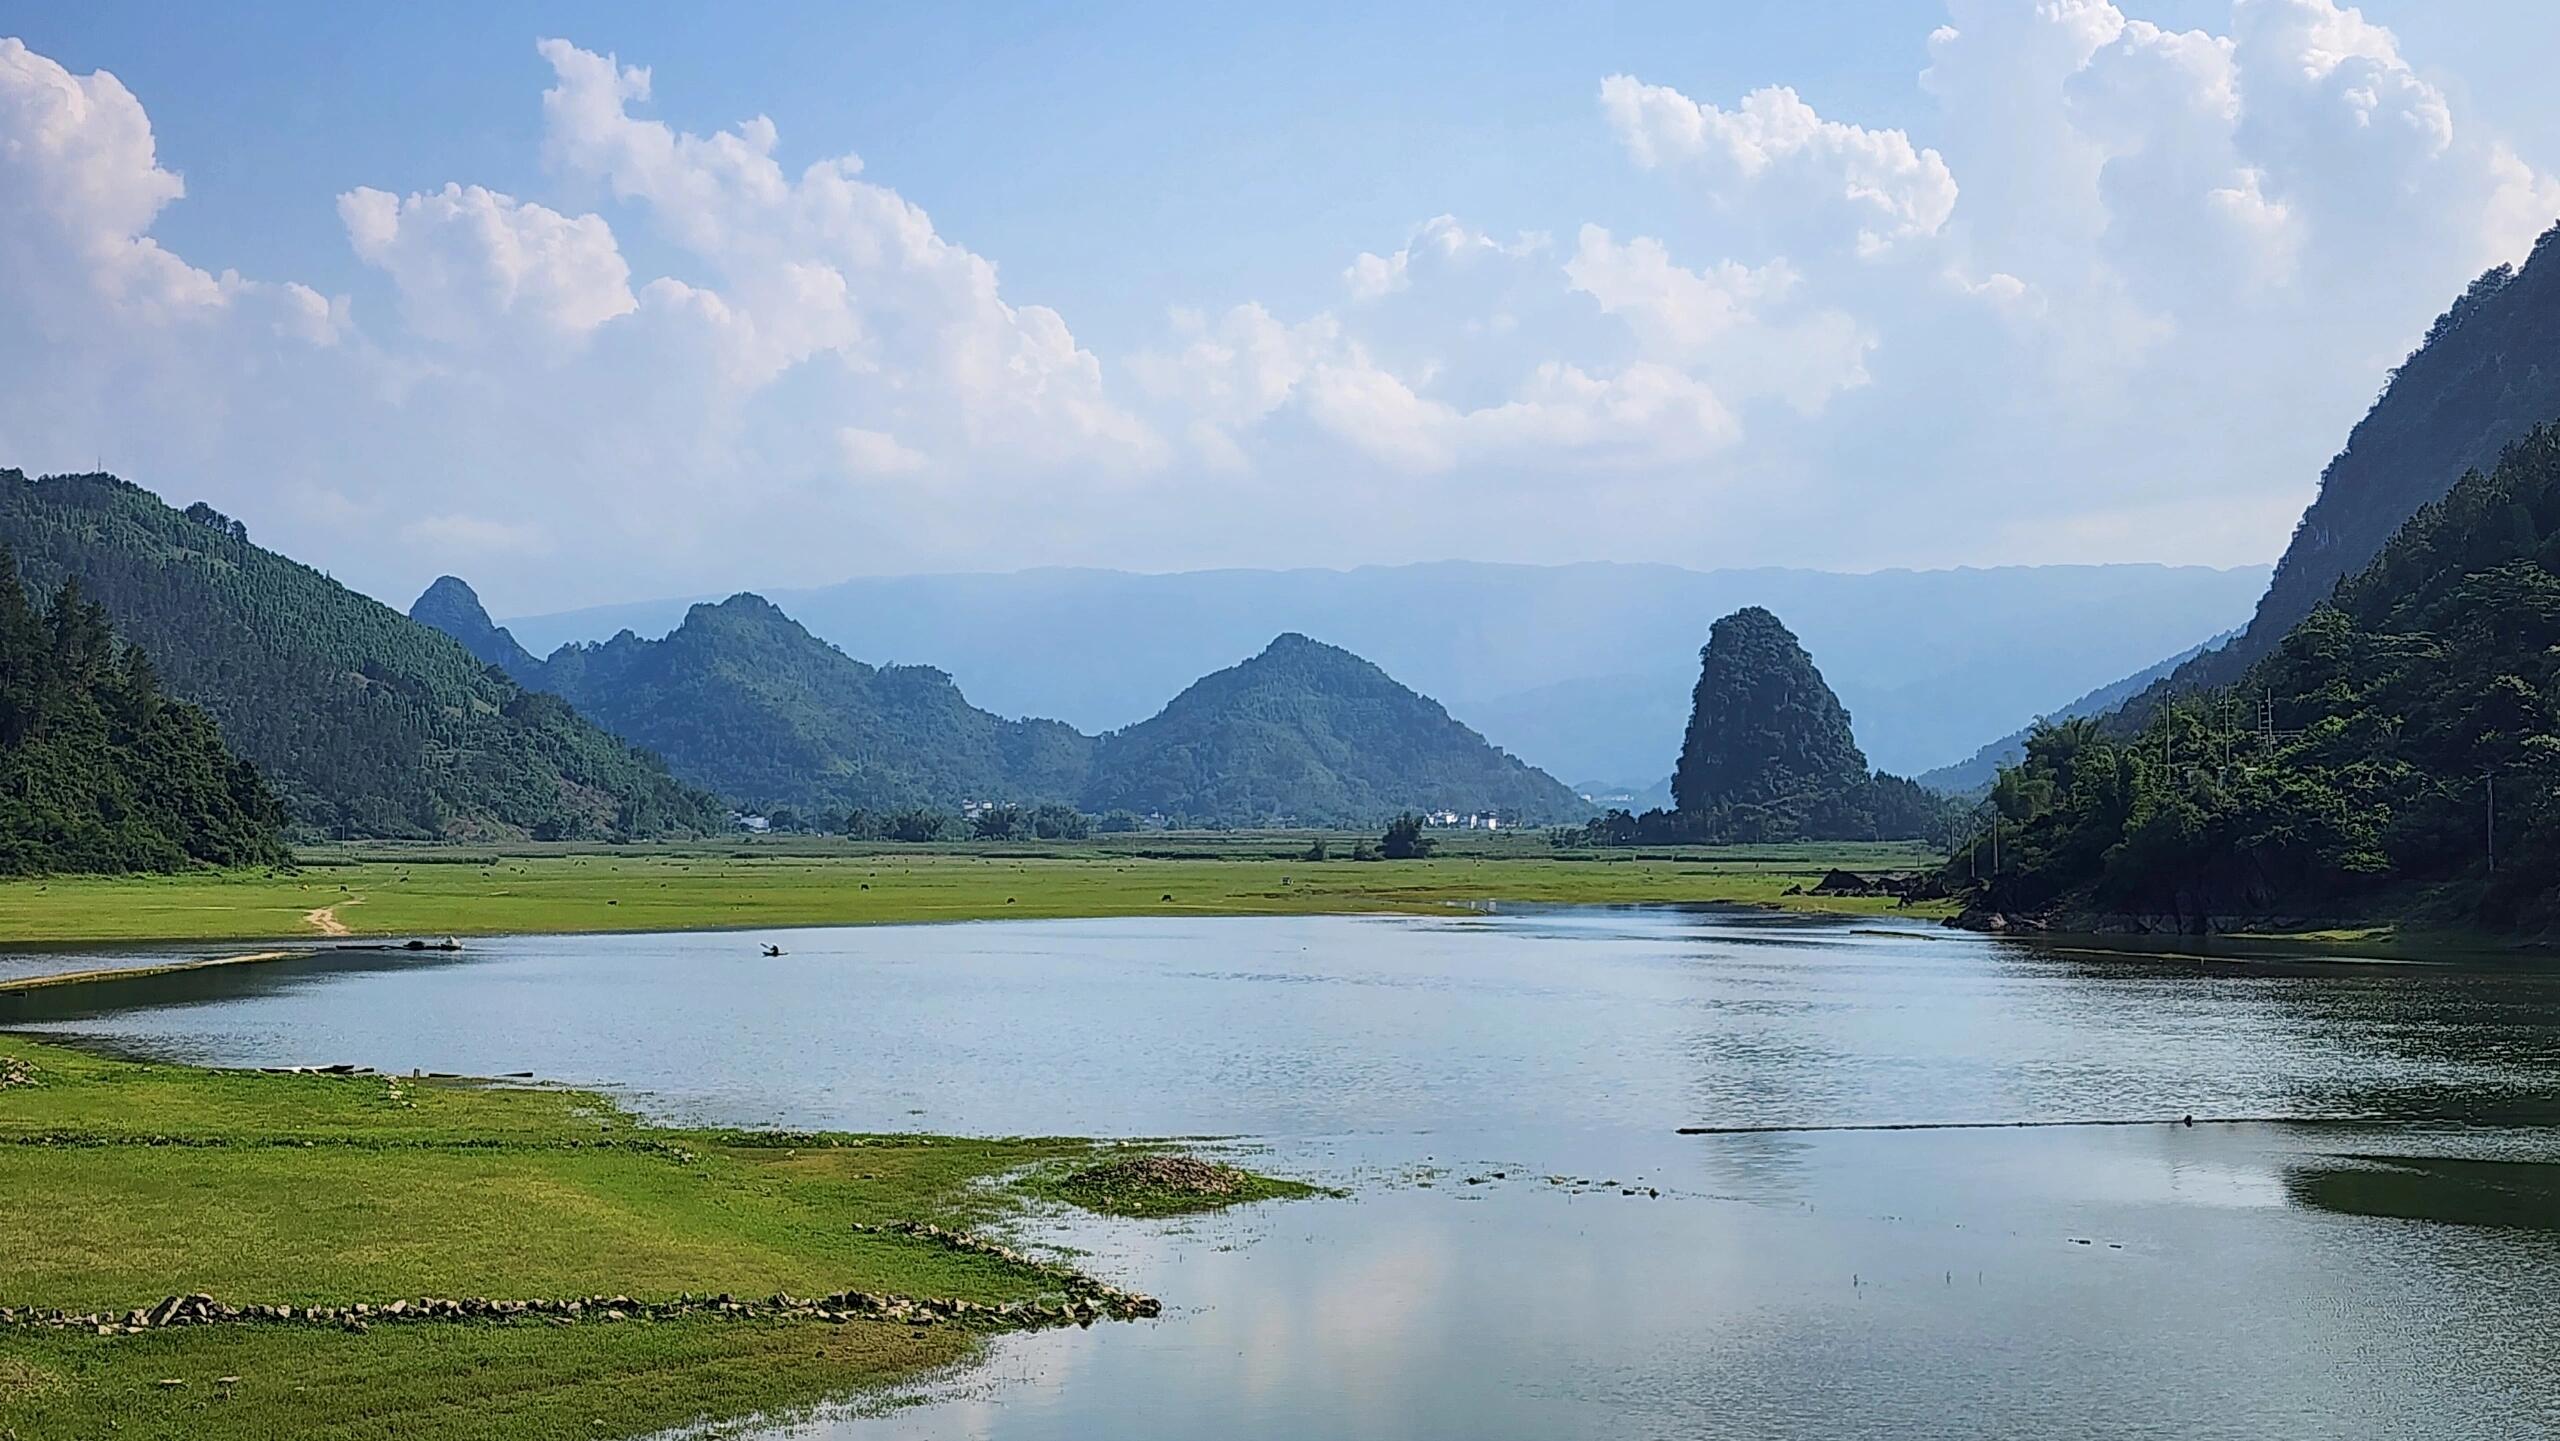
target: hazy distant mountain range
<point>1581,670</point>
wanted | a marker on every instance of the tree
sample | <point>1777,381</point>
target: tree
<point>101,772</point>
<point>1054,822</point>
<point>1404,840</point>
<point>920,823</point>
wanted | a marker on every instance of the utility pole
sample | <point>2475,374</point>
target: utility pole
<point>2490,780</point>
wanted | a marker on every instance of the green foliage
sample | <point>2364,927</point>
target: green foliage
<point>2360,753</point>
<point>365,722</point>
<point>1404,840</point>
<point>1060,823</point>
<point>915,824</point>
<point>99,771</point>
<point>1309,734</point>
<point>744,701</point>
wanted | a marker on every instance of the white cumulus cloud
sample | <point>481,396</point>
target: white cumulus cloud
<point>1774,142</point>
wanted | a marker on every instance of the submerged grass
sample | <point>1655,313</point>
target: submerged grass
<point>1154,1184</point>
<point>123,1182</point>
<point>374,891</point>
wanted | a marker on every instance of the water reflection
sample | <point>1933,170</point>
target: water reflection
<point>2349,1279</point>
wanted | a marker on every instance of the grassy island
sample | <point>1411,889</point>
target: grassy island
<point>206,1254</point>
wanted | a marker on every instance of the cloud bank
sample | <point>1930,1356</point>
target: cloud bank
<point>2117,294</point>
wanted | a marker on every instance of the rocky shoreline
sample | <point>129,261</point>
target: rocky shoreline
<point>1085,1300</point>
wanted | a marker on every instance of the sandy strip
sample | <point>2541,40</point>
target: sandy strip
<point>127,973</point>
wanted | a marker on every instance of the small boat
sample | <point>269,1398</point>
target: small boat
<point>773,950</point>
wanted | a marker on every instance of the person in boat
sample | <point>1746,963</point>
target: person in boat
<point>772,950</point>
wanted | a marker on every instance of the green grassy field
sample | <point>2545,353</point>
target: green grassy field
<point>460,891</point>
<point>122,1183</point>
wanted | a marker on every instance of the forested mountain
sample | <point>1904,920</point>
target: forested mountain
<point>453,607</point>
<point>366,722</point>
<point>740,699</point>
<point>1581,670</point>
<point>101,772</point>
<point>1310,733</point>
<point>2486,373</point>
<point>1770,754</point>
<point>1764,730</point>
<point>2358,766</point>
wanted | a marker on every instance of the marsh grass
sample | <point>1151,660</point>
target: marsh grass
<point>122,1182</point>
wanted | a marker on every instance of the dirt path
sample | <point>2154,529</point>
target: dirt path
<point>326,921</point>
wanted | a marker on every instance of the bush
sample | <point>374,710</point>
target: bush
<point>1404,840</point>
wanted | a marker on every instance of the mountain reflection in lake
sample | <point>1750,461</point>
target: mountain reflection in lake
<point>2378,1266</point>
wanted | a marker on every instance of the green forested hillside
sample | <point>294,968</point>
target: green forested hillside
<point>101,772</point>
<point>740,699</point>
<point>1310,733</point>
<point>365,722</point>
<point>2357,767</point>
<point>2486,373</point>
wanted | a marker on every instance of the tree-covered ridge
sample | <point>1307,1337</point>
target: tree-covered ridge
<point>101,772</point>
<point>366,722</point>
<point>2354,768</point>
<point>741,699</point>
<point>1309,733</point>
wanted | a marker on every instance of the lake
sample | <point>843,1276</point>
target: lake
<point>2359,1237</point>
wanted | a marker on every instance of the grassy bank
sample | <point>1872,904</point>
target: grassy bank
<point>124,1183</point>
<point>392,891</point>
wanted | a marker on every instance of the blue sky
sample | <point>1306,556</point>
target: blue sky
<point>1738,367</point>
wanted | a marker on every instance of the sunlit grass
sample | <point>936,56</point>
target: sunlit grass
<point>434,892</point>
<point>123,1182</point>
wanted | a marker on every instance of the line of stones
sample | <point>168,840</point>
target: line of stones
<point>837,1307</point>
<point>76,1140</point>
<point>1086,1300</point>
<point>1080,1288</point>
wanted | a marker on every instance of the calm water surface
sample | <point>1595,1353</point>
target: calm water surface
<point>2379,1257</point>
